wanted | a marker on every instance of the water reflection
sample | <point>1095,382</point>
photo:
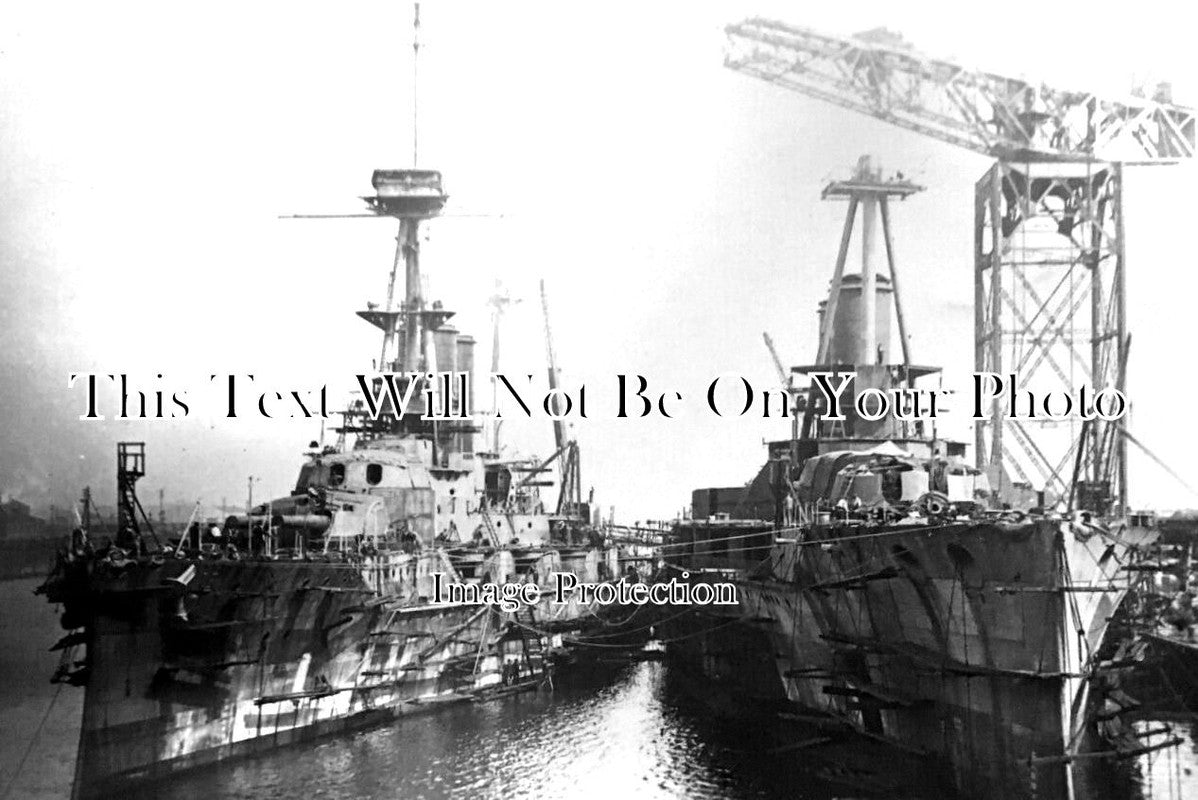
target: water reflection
<point>621,732</point>
<point>1171,772</point>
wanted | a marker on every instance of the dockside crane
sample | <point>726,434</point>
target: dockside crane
<point>1055,309</point>
<point>784,380</point>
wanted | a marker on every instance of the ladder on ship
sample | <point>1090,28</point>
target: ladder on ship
<point>534,649</point>
<point>489,526</point>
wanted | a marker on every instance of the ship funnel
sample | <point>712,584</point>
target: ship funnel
<point>445,345</point>
<point>850,320</point>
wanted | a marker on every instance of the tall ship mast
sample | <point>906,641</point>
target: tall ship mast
<point>319,612</point>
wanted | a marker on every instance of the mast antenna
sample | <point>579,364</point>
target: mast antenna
<point>415,82</point>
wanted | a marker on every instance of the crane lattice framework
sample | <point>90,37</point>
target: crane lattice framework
<point>1049,269</point>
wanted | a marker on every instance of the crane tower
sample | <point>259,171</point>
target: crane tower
<point>1049,256</point>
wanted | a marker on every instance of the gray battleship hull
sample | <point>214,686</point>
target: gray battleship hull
<point>967,643</point>
<point>190,661</point>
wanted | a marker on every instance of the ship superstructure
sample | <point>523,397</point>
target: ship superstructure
<point>315,612</point>
<point>950,611</point>
<point>888,590</point>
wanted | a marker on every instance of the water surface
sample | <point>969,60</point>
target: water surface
<point>618,730</point>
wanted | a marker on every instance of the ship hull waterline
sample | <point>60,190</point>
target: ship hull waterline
<point>180,676</point>
<point>968,642</point>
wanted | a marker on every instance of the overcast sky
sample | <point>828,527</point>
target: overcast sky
<point>671,205</point>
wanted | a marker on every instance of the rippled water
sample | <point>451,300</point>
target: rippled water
<point>614,734</point>
<point>623,730</point>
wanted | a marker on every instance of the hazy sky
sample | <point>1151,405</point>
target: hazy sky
<point>671,205</point>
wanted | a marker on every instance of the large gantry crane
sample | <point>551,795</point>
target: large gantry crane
<point>1049,264</point>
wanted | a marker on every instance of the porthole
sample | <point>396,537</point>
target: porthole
<point>374,474</point>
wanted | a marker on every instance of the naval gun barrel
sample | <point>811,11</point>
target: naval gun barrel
<point>316,523</point>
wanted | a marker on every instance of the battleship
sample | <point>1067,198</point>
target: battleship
<point>891,591</point>
<point>951,612</point>
<point>315,612</point>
